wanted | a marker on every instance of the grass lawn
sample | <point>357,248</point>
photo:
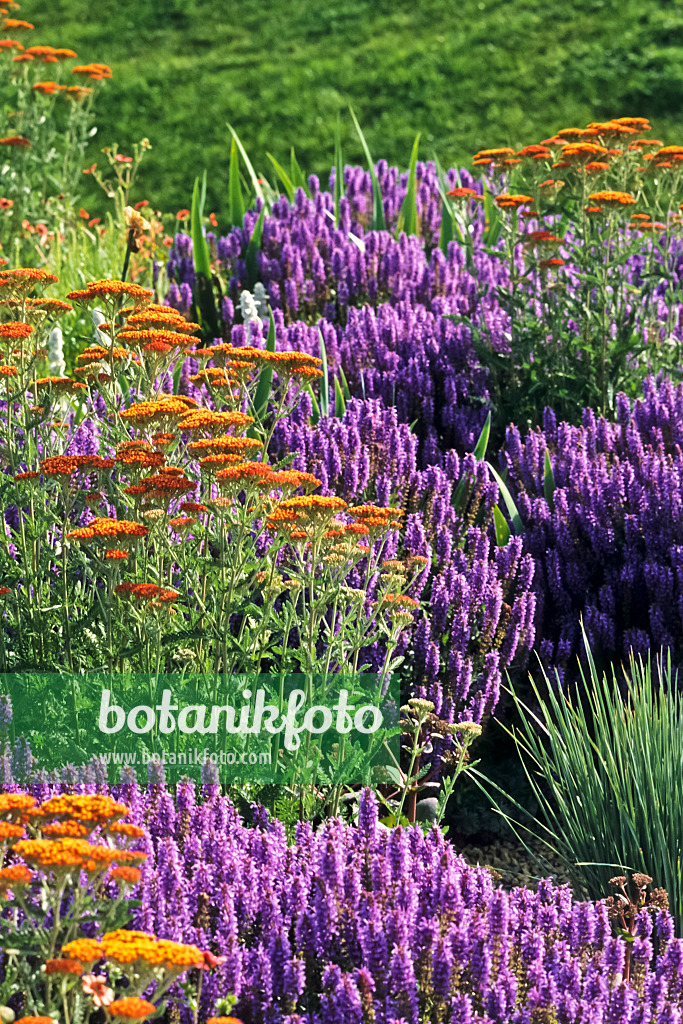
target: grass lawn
<point>467,75</point>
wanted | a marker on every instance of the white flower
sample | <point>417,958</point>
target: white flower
<point>55,353</point>
<point>261,299</point>
<point>249,311</point>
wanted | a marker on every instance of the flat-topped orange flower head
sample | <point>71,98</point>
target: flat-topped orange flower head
<point>612,198</point>
<point>512,201</point>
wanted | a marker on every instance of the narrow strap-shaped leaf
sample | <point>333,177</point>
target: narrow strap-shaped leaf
<point>451,228</point>
<point>265,380</point>
<point>297,175</point>
<point>548,482</point>
<point>325,382</point>
<point>517,524</point>
<point>248,164</point>
<point>283,176</point>
<point>407,218</point>
<point>204,299</point>
<point>501,526</point>
<point>251,257</point>
<point>200,248</point>
<point>176,376</point>
<point>202,192</point>
<point>378,220</point>
<point>482,443</point>
<point>346,391</point>
<point>315,418</point>
<point>494,221</point>
<point>236,199</point>
<point>338,170</point>
<point>339,400</point>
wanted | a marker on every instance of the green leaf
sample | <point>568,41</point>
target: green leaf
<point>482,443</point>
<point>297,175</point>
<point>325,382</point>
<point>315,418</point>
<point>517,524</point>
<point>339,400</point>
<point>265,381</point>
<point>176,377</point>
<point>338,170</point>
<point>344,384</point>
<point>283,176</point>
<point>501,526</point>
<point>248,164</point>
<point>548,482</point>
<point>407,218</point>
<point>204,299</point>
<point>378,220</point>
<point>125,387</point>
<point>451,225</point>
<point>448,226</point>
<point>251,256</point>
<point>494,221</point>
<point>200,248</point>
<point>236,199</point>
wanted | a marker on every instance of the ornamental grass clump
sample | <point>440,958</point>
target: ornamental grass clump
<point>603,763</point>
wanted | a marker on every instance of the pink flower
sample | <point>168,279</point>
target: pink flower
<point>121,159</point>
<point>96,986</point>
<point>213,961</point>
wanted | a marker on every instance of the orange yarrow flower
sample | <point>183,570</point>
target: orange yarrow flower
<point>611,198</point>
<point>509,201</point>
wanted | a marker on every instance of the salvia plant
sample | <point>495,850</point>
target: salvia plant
<point>363,922</point>
<point>69,868</point>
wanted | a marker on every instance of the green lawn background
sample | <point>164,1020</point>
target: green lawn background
<point>466,73</point>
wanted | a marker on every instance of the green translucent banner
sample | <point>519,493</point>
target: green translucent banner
<point>268,729</point>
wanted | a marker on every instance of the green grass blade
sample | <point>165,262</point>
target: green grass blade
<point>256,184</point>
<point>501,526</point>
<point>253,248</point>
<point>452,227</point>
<point>265,381</point>
<point>325,382</point>
<point>200,248</point>
<point>315,418</point>
<point>517,524</point>
<point>378,219</point>
<point>407,218</point>
<point>338,170</point>
<point>339,400</point>
<point>202,192</point>
<point>297,175</point>
<point>235,197</point>
<point>493,220</point>
<point>483,442</point>
<point>283,176</point>
<point>548,482</point>
<point>204,298</point>
<point>346,391</point>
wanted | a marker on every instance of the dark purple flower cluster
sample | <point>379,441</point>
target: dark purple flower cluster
<point>479,609</point>
<point>609,545</point>
<point>355,924</point>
